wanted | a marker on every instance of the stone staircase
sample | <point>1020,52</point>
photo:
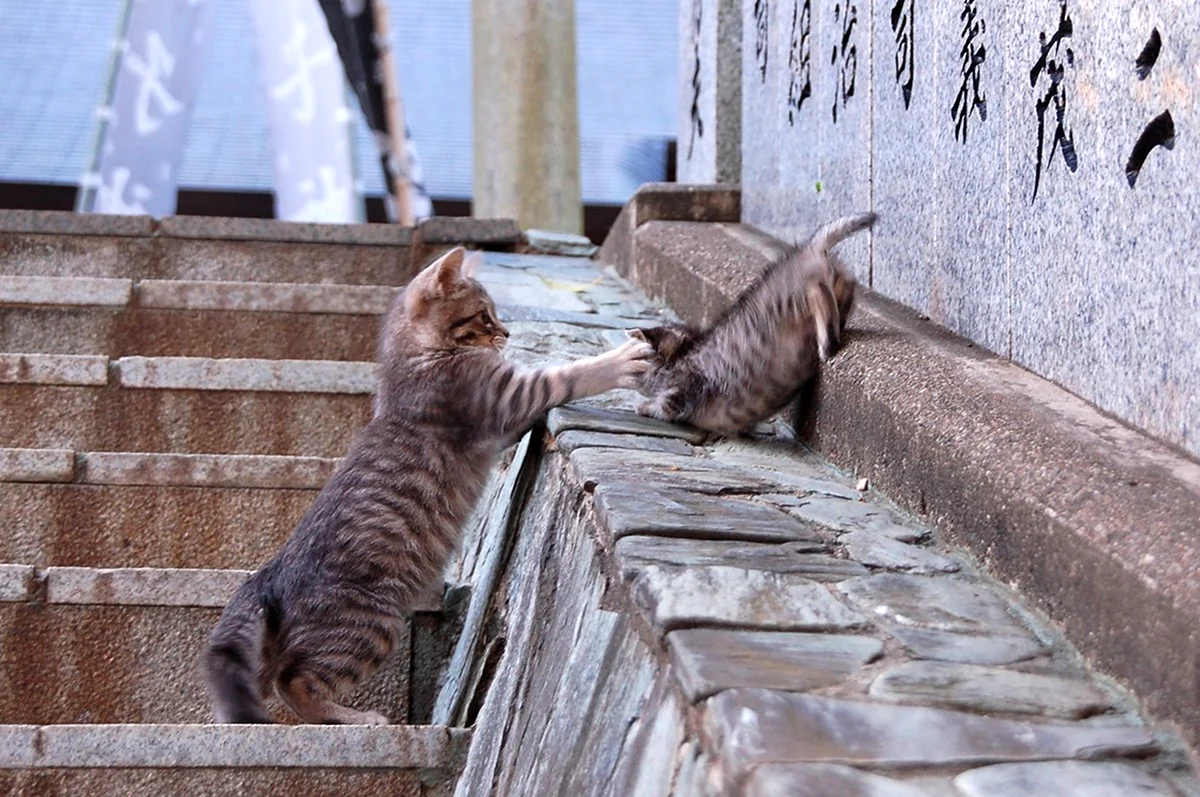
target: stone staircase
<point>172,399</point>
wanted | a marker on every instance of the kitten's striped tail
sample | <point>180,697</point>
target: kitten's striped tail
<point>835,232</point>
<point>230,663</point>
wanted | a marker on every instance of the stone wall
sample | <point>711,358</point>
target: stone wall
<point>1009,148</point>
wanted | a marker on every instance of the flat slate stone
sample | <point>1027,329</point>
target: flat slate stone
<point>940,603</point>
<point>998,649</point>
<point>84,370</point>
<point>64,291</point>
<point>730,596</point>
<point>987,690</point>
<point>1061,779</point>
<point>598,466</point>
<point>824,780</point>
<point>560,243</point>
<point>709,660</point>
<point>849,515</point>
<point>275,297</point>
<point>286,376</point>
<point>626,510</point>
<point>578,438</point>
<point>876,550</point>
<point>596,419</point>
<point>208,470</point>
<point>16,582</point>
<point>36,465</point>
<point>752,726</point>
<point>635,552</point>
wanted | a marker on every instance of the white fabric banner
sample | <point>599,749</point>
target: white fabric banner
<point>158,71</point>
<point>310,124</point>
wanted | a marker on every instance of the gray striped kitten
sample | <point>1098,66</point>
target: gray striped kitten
<point>753,361</point>
<point>321,616</point>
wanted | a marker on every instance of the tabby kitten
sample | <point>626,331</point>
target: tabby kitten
<point>756,357</point>
<point>322,615</point>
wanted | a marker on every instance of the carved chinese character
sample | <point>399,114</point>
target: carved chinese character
<point>697,121</point>
<point>800,59</point>
<point>1159,131</point>
<point>1052,65</point>
<point>972,56</point>
<point>762,35</point>
<point>903,14</point>
<point>845,55</point>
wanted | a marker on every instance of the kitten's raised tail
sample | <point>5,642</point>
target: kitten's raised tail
<point>230,663</point>
<point>835,232</point>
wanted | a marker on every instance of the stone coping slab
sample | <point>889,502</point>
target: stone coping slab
<point>16,582</point>
<point>230,746</point>
<point>84,370</point>
<point>286,376</point>
<point>273,297</point>
<point>60,222</point>
<point>469,230</point>
<point>64,291</point>
<point>237,229</point>
<point>1091,518</point>
<point>36,465</point>
<point>262,471</point>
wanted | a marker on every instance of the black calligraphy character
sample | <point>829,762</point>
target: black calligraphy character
<point>762,24</point>
<point>799,59</point>
<point>903,14</point>
<point>845,56</point>
<point>972,56</point>
<point>1159,131</point>
<point>1056,95</point>
<point>697,121</point>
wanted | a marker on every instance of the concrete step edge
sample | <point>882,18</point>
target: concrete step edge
<point>230,746</point>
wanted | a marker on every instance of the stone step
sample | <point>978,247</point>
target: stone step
<point>158,759</point>
<point>209,318</point>
<point>188,404</point>
<point>120,645</point>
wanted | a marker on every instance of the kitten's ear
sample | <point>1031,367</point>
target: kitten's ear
<point>441,274</point>
<point>471,264</point>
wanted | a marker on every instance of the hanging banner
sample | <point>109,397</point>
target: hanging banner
<point>352,25</point>
<point>143,123</point>
<point>309,123</point>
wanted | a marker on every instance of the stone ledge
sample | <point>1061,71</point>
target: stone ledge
<point>16,582</point>
<point>229,746</point>
<point>264,297</point>
<point>235,229</point>
<point>142,586</point>
<point>207,470</point>
<point>37,465</point>
<point>60,222</point>
<point>286,376</point>
<point>64,291</point>
<point>1092,519</point>
<point>468,230</point>
<point>83,370</point>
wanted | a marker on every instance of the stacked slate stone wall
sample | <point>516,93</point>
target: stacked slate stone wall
<point>1030,161</point>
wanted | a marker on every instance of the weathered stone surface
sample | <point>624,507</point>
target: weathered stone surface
<point>237,229</point>
<point>1067,778</point>
<point>17,745</point>
<point>596,419</point>
<point>730,596</point>
<point>16,581</point>
<point>986,649</point>
<point>625,509</point>
<point>709,660</point>
<point>290,376</point>
<point>275,297</point>
<point>987,690</point>
<point>36,465</point>
<point>90,291</point>
<point>798,558</point>
<point>848,515</point>
<point>751,726</point>
<point>208,470</point>
<point>944,604</point>
<point>824,780</point>
<point>387,746</point>
<point>596,466</point>
<point>146,586</point>
<point>876,550</point>
<point>54,369</point>
<point>65,222</point>
<point>468,230</point>
<point>577,438</point>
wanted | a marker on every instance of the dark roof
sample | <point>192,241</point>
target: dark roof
<point>54,59</point>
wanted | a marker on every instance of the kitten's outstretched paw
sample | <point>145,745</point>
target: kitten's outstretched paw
<point>634,360</point>
<point>373,718</point>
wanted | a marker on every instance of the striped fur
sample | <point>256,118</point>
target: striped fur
<point>754,359</point>
<point>321,616</point>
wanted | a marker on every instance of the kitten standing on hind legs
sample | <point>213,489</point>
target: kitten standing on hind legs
<point>756,357</point>
<point>321,616</point>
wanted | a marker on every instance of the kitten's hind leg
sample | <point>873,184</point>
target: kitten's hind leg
<point>823,307</point>
<point>309,698</point>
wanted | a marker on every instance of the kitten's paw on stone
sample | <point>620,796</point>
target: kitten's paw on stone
<point>373,718</point>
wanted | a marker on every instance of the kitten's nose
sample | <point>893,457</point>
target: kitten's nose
<point>501,329</point>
